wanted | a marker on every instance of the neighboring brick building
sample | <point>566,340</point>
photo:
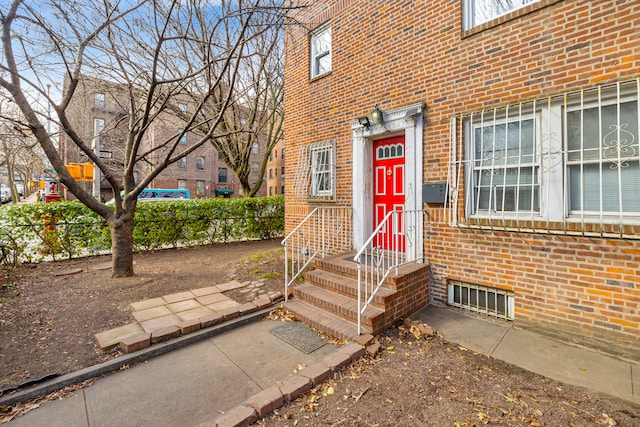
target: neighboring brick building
<point>98,108</point>
<point>518,136</point>
<point>275,170</point>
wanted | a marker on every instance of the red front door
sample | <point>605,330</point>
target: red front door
<point>388,191</point>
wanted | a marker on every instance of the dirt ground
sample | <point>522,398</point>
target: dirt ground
<point>50,312</point>
<point>420,381</point>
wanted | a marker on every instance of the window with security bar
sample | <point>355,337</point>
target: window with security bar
<point>315,172</point>
<point>322,170</point>
<point>571,158</point>
<point>505,164</point>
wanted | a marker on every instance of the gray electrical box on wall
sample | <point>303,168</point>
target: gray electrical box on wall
<point>434,193</point>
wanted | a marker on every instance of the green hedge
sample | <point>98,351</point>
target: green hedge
<point>39,231</point>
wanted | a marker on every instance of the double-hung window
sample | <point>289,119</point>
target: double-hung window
<point>320,50</point>
<point>571,158</point>
<point>200,163</point>
<point>477,12</point>
<point>182,162</point>
<point>603,156</point>
<point>322,170</point>
<point>505,164</point>
<point>315,177</point>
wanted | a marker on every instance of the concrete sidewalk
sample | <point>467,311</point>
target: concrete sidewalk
<point>194,384</point>
<point>553,359</point>
<point>185,387</point>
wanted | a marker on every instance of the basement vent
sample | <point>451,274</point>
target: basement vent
<point>481,299</point>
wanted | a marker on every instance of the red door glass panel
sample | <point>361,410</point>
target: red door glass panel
<point>388,191</point>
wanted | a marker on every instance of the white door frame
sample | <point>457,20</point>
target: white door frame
<point>407,121</point>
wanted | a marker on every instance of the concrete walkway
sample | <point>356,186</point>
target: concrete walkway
<point>553,359</point>
<point>193,385</point>
<point>185,387</point>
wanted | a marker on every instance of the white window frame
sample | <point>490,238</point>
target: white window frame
<point>200,163</point>
<point>224,175</point>
<point>481,170</point>
<point>478,12</point>
<point>320,50</point>
<point>182,162</point>
<point>552,153</point>
<point>98,128</point>
<point>322,169</point>
<point>100,100</point>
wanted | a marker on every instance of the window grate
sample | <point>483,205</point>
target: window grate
<point>481,299</point>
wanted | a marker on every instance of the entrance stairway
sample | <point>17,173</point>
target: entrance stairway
<point>327,299</point>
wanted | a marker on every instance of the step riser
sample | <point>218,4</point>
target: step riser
<point>327,300</point>
<point>348,313</point>
<point>348,290</point>
<point>339,329</point>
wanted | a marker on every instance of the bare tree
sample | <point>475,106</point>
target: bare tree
<point>18,149</point>
<point>253,122</point>
<point>159,51</point>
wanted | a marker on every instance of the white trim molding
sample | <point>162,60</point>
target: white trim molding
<point>407,121</point>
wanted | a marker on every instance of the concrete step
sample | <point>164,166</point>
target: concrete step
<point>345,286</point>
<point>339,305</point>
<point>322,320</point>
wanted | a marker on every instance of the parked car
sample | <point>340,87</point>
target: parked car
<point>5,195</point>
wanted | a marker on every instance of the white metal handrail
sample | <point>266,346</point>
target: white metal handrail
<point>325,231</point>
<point>393,243</point>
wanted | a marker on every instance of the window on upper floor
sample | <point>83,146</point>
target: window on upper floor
<point>222,175</point>
<point>255,148</point>
<point>183,136</point>
<point>100,100</point>
<point>98,128</point>
<point>182,108</point>
<point>200,163</point>
<point>182,162</point>
<point>477,12</point>
<point>570,158</point>
<point>320,50</point>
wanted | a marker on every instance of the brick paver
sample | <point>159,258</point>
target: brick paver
<point>195,313</point>
<point>180,296</point>
<point>223,305</point>
<point>112,337</point>
<point>229,286</point>
<point>206,291</point>
<point>185,305</point>
<point>161,318</point>
<point>265,401</point>
<point>148,303</point>
<point>160,322</point>
<point>151,313</point>
<point>212,298</point>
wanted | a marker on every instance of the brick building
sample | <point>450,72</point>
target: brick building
<point>275,170</point>
<point>97,110</point>
<point>510,127</point>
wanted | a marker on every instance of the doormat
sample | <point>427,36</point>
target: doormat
<point>300,336</point>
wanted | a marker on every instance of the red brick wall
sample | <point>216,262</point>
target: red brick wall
<point>397,53</point>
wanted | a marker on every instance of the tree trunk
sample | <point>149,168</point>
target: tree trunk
<point>122,246</point>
